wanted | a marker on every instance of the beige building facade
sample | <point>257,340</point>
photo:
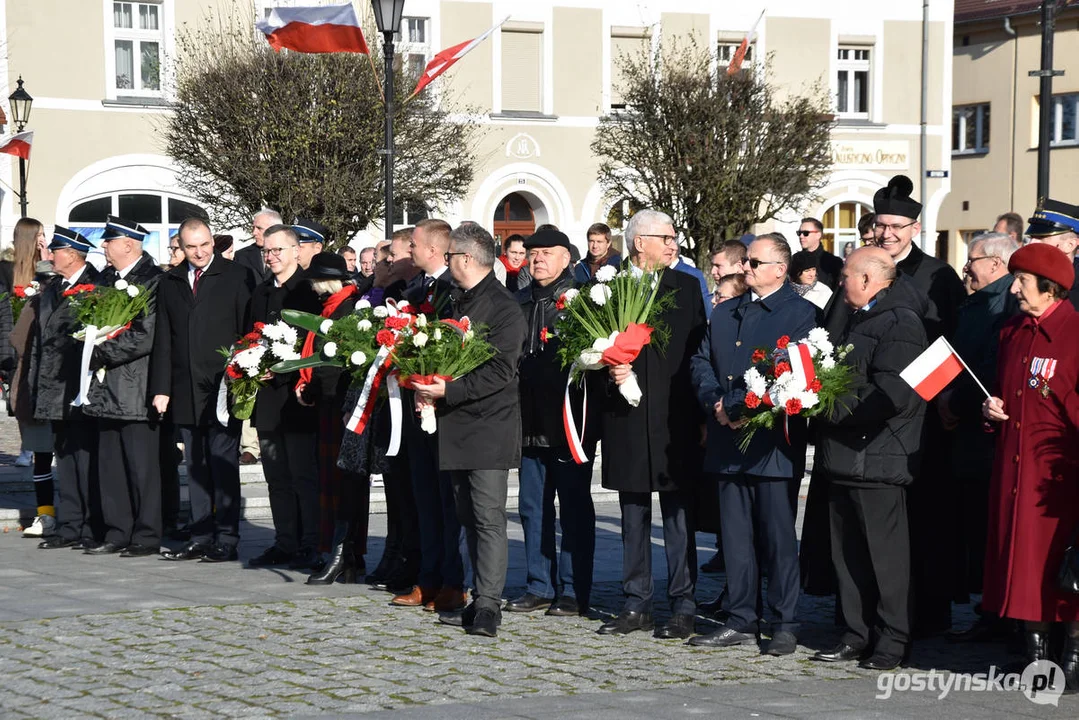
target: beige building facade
<point>540,85</point>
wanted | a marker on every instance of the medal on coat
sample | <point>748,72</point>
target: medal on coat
<point>1041,371</point>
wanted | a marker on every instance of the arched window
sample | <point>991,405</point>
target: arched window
<point>514,215</point>
<point>841,225</point>
<point>159,213</point>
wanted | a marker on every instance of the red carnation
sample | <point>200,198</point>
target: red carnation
<point>758,355</point>
<point>397,323</point>
<point>752,400</point>
<point>385,338</point>
<point>427,307</point>
<point>258,326</point>
<point>793,406</point>
<point>252,337</point>
<point>70,291</point>
<point>20,291</point>
<point>783,342</point>
<point>782,367</point>
<point>815,385</point>
<point>560,303</point>
<point>544,336</point>
<point>233,373</point>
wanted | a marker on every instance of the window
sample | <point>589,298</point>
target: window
<point>852,83</point>
<point>148,209</point>
<point>627,45</point>
<point>409,212</point>
<point>138,41</point>
<point>1065,113</point>
<point>970,129</point>
<point>414,43</point>
<point>522,71</point>
<point>725,53</point>
<point>841,225</point>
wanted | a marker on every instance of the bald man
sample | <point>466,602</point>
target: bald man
<point>869,449</point>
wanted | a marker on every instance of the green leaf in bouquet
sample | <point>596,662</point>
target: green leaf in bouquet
<point>303,320</point>
<point>287,366</point>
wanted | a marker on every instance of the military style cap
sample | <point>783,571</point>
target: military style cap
<point>1053,218</point>
<point>117,227</point>
<point>309,231</point>
<point>67,238</point>
<point>895,199</point>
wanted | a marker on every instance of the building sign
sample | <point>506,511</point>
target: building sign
<point>522,146</point>
<point>874,154</point>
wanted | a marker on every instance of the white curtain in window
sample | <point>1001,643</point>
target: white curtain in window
<point>121,15</point>
<point>148,17</point>
<point>125,65</point>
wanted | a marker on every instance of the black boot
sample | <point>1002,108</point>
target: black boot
<point>1035,645</point>
<point>391,558</point>
<point>342,559</point>
<point>1069,662</point>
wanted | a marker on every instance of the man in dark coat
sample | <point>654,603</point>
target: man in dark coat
<point>655,447</point>
<point>128,442</point>
<point>755,485</point>
<point>1057,223</point>
<point>287,430</point>
<point>201,307</point>
<point>479,421</point>
<point>250,257</point>
<point>548,466</point>
<point>54,377</point>
<point>869,449</point>
<point>810,233</point>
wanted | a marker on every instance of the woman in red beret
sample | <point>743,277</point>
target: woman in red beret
<point>1034,495</point>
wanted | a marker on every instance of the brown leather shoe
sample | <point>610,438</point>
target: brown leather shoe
<point>449,599</point>
<point>415,597</point>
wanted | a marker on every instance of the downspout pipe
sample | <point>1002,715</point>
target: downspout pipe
<point>925,113</point>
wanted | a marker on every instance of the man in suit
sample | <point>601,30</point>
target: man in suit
<point>311,237</point>
<point>756,513</point>
<point>128,442</point>
<point>655,447</point>
<point>440,582</point>
<point>201,306</point>
<point>251,256</point>
<point>828,265</point>
<point>54,376</point>
<point>287,430</point>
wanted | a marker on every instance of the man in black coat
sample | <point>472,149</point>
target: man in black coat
<point>828,266</point>
<point>655,447</point>
<point>128,442</point>
<point>201,307</point>
<point>548,466</point>
<point>250,257</point>
<point>54,376</point>
<point>479,421</point>
<point>869,449</point>
<point>287,430</point>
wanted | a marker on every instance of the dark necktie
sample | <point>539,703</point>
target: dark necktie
<point>195,284</point>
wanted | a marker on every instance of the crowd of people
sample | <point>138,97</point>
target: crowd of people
<point>912,506</point>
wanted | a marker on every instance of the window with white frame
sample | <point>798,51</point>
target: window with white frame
<point>725,53</point>
<point>852,83</point>
<point>1065,116</point>
<point>414,43</point>
<point>137,45</point>
<point>970,129</point>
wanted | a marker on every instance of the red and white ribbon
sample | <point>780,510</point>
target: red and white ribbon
<point>393,391</point>
<point>361,414</point>
<point>801,356</point>
<point>574,438</point>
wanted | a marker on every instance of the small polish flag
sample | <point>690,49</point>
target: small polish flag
<point>17,144</point>
<point>444,60</point>
<point>931,371</point>
<point>322,29</point>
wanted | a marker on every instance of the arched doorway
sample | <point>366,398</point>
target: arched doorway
<point>841,225</point>
<point>513,215</point>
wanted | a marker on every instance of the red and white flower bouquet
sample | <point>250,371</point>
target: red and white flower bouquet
<point>249,363</point>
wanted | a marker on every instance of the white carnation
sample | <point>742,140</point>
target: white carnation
<point>288,334</point>
<point>600,294</point>
<point>827,362</point>
<point>421,321</point>
<point>120,284</point>
<point>132,290</point>
<point>818,336</point>
<point>808,398</point>
<point>419,339</point>
<point>437,334</point>
<point>271,331</point>
<point>30,291</point>
<point>571,295</point>
<point>825,348</point>
<point>284,351</point>
<point>606,273</point>
<point>250,359</point>
<point>380,311</point>
<point>755,382</point>
<point>363,325</point>
<point>363,304</point>
<point>329,349</point>
<point>358,359</point>
<point>325,325</point>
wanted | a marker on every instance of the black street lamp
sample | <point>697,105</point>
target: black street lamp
<point>20,108</point>
<point>388,19</point>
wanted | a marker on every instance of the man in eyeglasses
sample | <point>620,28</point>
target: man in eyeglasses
<point>829,266</point>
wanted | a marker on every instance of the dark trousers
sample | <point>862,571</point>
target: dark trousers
<point>78,510</point>
<point>211,454</point>
<point>402,533</point>
<point>442,543</point>
<point>637,583</point>
<point>169,459</point>
<point>757,520</point>
<point>128,462</point>
<point>871,552</point>
<point>480,496</point>
<point>567,572</point>
<point>934,552</point>
<point>290,463</point>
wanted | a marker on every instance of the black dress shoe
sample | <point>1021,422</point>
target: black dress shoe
<point>881,661</point>
<point>271,557</point>
<point>85,544</point>
<point>679,627</point>
<point>485,623</point>
<point>724,637</point>
<point>138,550</point>
<point>714,565</point>
<point>564,607</point>
<point>105,548</point>
<point>191,551</point>
<point>305,559</point>
<point>528,603</point>
<point>56,542</point>
<point>840,653</point>
<point>626,622</point>
<point>464,618</point>
<point>220,552</point>
<point>782,643</point>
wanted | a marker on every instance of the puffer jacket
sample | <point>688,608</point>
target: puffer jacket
<point>874,435</point>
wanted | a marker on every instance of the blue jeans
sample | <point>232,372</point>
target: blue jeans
<point>545,472</point>
<point>442,549</point>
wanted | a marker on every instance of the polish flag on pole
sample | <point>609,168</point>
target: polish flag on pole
<point>323,29</point>
<point>445,59</point>
<point>740,53</point>
<point>931,371</point>
<point>17,144</point>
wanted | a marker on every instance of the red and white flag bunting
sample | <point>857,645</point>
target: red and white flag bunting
<point>323,29</point>
<point>931,371</point>
<point>740,54</point>
<point>445,59</point>
<point>17,144</point>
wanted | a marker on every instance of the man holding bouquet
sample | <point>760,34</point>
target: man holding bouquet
<point>754,485</point>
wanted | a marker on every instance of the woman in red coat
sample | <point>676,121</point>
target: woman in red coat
<point>1034,496</point>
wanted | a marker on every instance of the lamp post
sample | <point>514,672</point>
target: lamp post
<point>388,19</point>
<point>20,108</point>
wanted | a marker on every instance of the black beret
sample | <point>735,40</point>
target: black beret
<point>548,238</point>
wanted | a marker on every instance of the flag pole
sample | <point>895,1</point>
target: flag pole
<point>967,367</point>
<point>381,92</point>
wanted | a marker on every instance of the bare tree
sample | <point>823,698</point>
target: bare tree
<point>719,153</point>
<point>303,133</point>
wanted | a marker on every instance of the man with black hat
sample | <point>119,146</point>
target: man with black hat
<point>54,376</point>
<point>128,443</point>
<point>311,236</point>
<point>1057,224</point>
<point>548,467</point>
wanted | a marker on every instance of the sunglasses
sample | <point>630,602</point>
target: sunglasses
<point>755,263</point>
<point>804,233</point>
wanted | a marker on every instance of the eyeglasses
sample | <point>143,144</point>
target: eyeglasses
<point>451,254</point>
<point>972,260</point>
<point>667,239</point>
<point>755,263</point>
<point>276,252</point>
<point>174,248</point>
<point>805,233</point>
<point>881,227</point>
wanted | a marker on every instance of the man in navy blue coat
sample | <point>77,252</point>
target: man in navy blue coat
<point>753,486</point>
